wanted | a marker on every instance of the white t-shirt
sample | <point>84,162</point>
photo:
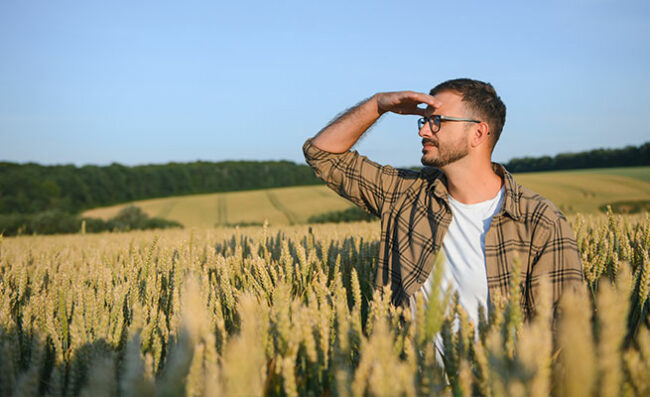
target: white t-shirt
<point>464,256</point>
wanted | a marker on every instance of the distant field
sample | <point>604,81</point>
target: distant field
<point>572,191</point>
<point>642,173</point>
<point>585,190</point>
<point>280,206</point>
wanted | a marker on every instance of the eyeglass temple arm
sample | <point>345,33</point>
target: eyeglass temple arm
<point>457,119</point>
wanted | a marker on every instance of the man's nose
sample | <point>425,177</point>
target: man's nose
<point>425,131</point>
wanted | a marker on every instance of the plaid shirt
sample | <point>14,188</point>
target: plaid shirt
<point>415,215</point>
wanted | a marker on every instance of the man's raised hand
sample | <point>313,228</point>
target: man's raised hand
<point>404,102</point>
<point>344,131</point>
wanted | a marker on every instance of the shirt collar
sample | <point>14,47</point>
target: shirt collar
<point>510,195</point>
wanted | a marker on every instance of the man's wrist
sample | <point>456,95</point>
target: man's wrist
<point>375,102</point>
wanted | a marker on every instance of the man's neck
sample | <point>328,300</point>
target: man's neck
<point>472,181</point>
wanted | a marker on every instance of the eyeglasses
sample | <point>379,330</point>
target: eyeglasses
<point>435,120</point>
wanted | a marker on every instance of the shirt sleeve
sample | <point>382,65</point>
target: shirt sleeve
<point>559,260</point>
<point>367,184</point>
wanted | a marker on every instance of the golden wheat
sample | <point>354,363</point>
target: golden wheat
<point>294,311</point>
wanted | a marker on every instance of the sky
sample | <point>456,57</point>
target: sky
<point>147,82</point>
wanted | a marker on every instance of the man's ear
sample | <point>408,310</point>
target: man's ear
<point>480,134</point>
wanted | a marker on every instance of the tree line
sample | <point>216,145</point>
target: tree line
<point>597,158</point>
<point>33,188</point>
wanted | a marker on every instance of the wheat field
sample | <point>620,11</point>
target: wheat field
<point>294,311</point>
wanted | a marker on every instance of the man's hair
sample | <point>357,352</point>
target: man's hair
<point>482,100</point>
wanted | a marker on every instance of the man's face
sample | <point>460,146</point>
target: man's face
<point>451,142</point>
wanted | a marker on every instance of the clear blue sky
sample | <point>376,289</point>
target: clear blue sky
<point>153,81</point>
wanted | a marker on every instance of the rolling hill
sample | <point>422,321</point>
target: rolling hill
<point>572,191</point>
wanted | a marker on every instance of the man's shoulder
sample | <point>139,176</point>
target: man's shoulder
<point>412,178</point>
<point>535,208</point>
<point>424,174</point>
<point>352,164</point>
<point>416,178</point>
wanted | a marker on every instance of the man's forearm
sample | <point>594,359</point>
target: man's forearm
<point>342,133</point>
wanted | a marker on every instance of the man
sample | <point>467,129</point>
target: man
<point>461,203</point>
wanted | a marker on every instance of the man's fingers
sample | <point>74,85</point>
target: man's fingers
<point>416,99</point>
<point>408,102</point>
<point>427,99</point>
<point>418,111</point>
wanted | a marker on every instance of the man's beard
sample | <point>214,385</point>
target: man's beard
<point>445,155</point>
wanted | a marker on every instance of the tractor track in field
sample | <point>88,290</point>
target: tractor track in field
<point>291,217</point>
<point>222,210</point>
<point>164,211</point>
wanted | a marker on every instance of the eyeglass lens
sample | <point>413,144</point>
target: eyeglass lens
<point>434,123</point>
